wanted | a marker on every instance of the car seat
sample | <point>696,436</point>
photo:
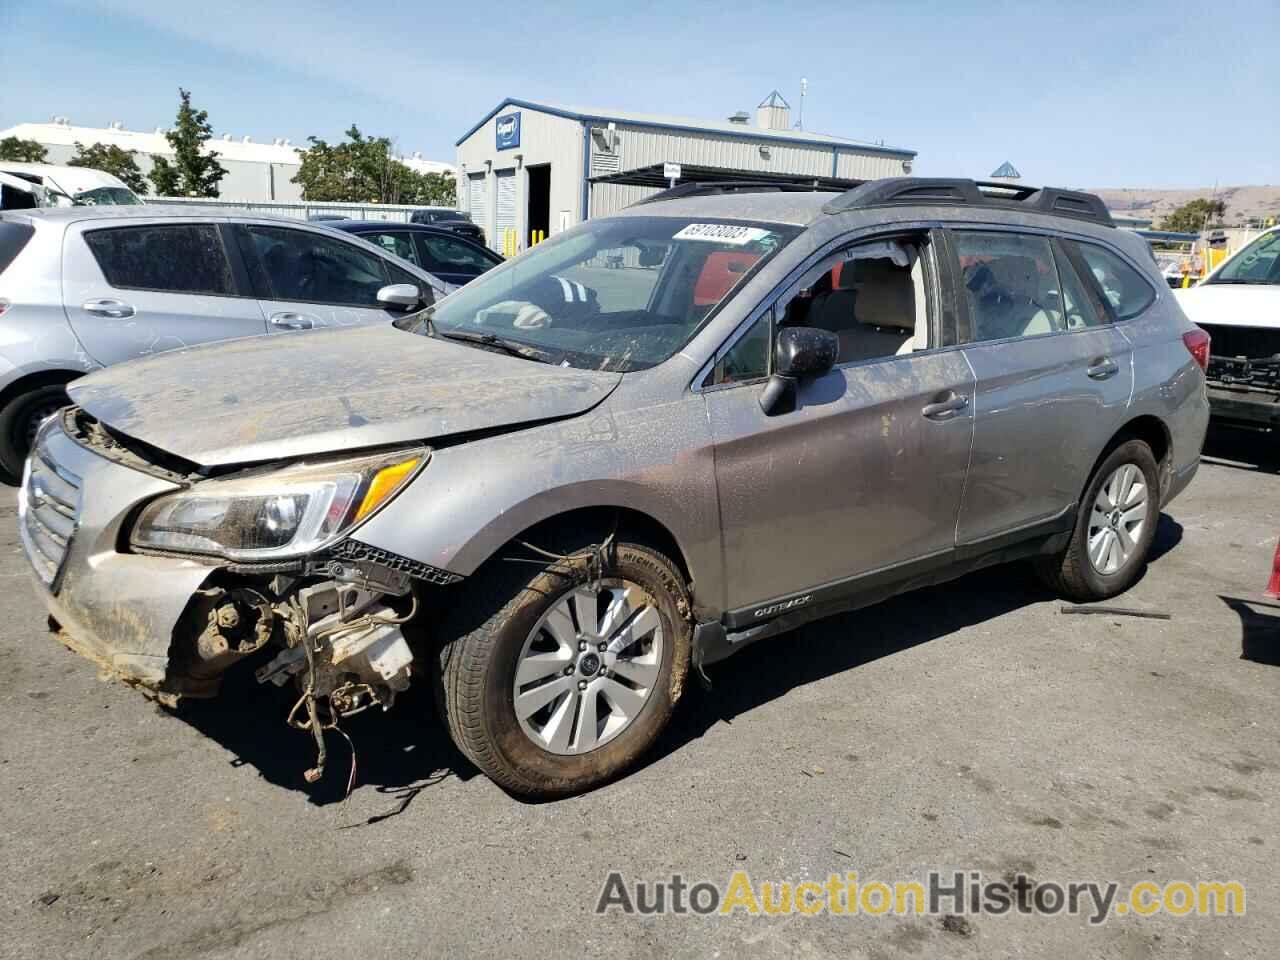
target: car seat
<point>872,309</point>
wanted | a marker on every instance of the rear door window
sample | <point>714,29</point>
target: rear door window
<point>446,255</point>
<point>1010,282</point>
<point>1126,291</point>
<point>1080,305</point>
<point>166,258</point>
<point>398,243</point>
<point>307,267</point>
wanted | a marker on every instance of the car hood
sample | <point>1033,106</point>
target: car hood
<point>327,391</point>
<point>1232,304</point>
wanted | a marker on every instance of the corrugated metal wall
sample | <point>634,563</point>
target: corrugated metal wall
<point>297,211</point>
<point>641,147</point>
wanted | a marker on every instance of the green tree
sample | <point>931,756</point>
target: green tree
<point>22,151</point>
<point>363,170</point>
<point>113,160</point>
<point>195,170</point>
<point>1194,216</point>
<point>435,190</point>
<point>164,177</point>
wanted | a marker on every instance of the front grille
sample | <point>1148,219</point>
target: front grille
<point>48,510</point>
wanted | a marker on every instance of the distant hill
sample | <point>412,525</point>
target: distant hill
<point>1243,203</point>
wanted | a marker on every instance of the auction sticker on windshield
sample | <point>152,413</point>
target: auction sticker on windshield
<point>735,234</point>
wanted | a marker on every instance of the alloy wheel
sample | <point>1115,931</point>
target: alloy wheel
<point>1118,518</point>
<point>589,666</point>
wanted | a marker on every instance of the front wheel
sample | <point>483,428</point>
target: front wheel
<point>1115,525</point>
<point>20,419</point>
<point>555,683</point>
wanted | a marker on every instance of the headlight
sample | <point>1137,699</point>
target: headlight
<point>275,514</point>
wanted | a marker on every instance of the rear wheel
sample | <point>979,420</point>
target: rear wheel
<point>565,682</point>
<point>1115,525</point>
<point>19,420</point>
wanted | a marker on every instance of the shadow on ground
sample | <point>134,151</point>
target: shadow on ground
<point>399,754</point>
<point>407,751</point>
<point>1244,449</point>
<point>1259,629</point>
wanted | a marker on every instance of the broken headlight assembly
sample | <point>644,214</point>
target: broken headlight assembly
<point>276,514</point>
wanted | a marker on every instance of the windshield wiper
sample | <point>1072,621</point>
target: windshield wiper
<point>1245,282</point>
<point>516,348</point>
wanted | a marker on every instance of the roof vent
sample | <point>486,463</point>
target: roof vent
<point>741,117</point>
<point>116,125</point>
<point>246,139</point>
<point>226,137</point>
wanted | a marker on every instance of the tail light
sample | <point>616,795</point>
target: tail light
<point>1273,588</point>
<point>1197,342</point>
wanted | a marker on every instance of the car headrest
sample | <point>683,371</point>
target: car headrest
<point>886,295</point>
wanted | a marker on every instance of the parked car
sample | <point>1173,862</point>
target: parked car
<point>459,221</point>
<point>443,253</point>
<point>1238,306</point>
<point>632,451</point>
<point>86,287</point>
<point>60,186</point>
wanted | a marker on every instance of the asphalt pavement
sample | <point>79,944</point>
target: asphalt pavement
<point>970,727</point>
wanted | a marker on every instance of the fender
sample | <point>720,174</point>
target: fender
<point>473,498</point>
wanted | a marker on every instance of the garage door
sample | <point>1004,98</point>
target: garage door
<point>506,210</point>
<point>477,201</point>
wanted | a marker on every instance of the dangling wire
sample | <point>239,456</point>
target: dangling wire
<point>596,556</point>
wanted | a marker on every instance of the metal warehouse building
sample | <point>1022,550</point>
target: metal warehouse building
<point>529,167</point>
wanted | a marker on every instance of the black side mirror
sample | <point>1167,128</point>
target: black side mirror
<point>799,352</point>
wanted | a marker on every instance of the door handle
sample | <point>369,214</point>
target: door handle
<point>292,321</point>
<point>942,409</point>
<point>1103,368</point>
<point>115,309</point>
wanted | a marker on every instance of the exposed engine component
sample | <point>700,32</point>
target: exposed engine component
<point>338,639</point>
<point>236,623</point>
<point>356,638</point>
<point>345,651</point>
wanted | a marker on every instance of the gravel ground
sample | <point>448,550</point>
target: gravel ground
<point>972,727</point>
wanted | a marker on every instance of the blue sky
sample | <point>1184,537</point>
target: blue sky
<point>1074,93</point>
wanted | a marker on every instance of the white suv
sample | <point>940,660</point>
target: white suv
<point>1238,305</point>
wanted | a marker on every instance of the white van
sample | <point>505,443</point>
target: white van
<point>27,185</point>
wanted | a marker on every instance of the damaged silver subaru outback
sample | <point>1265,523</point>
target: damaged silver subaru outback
<point>623,456</point>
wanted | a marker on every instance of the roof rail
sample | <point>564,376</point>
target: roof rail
<point>896,191</point>
<point>711,187</point>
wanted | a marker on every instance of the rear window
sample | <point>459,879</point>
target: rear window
<point>13,237</point>
<point>169,258</point>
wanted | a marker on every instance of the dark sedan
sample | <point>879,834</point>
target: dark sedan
<point>459,221</point>
<point>439,251</point>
